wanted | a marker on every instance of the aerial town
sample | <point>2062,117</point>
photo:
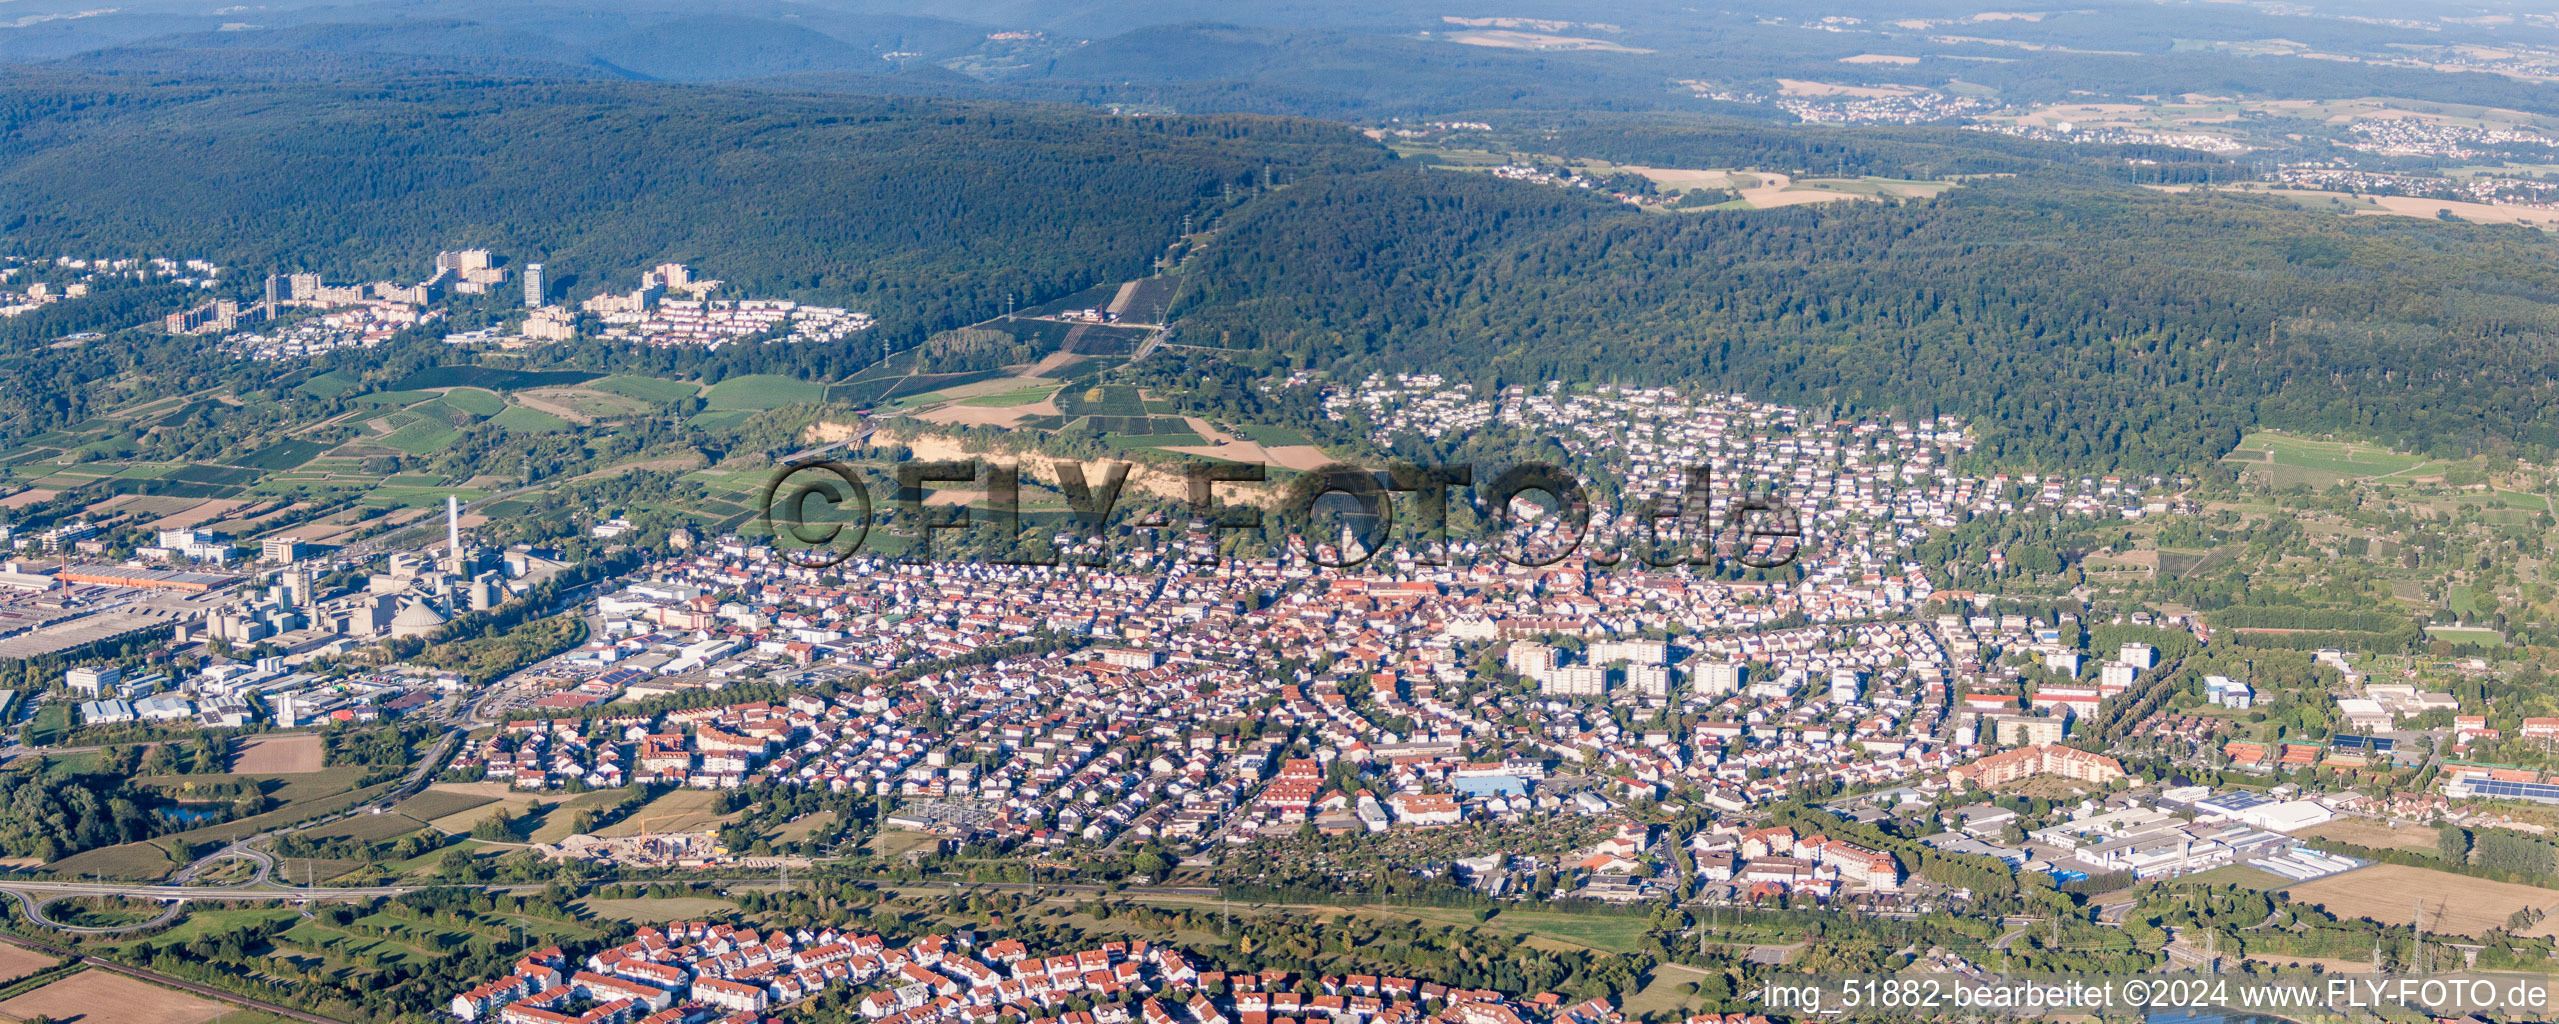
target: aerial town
<point>945,513</point>
<point>304,316</point>
<point>693,971</point>
<point>1430,696</point>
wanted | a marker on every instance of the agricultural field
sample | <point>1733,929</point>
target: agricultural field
<point>392,399</point>
<point>1131,442</point>
<point>282,455</point>
<point>1145,300</point>
<point>562,821</point>
<point>371,828</point>
<point>801,828</point>
<point>653,390</point>
<point>294,753</point>
<point>329,385</point>
<point>2285,460</point>
<point>421,437</point>
<point>463,375</point>
<point>331,462</point>
<point>2453,904</point>
<point>475,401</point>
<point>1269,435</point>
<point>758,392</point>
<point>523,419</point>
<point>1011,399</point>
<point>100,997</point>
<point>438,803</point>
<point>683,810</point>
<point>16,963</point>
<point>2372,834</point>
<point>137,861</point>
<point>890,843</point>
<point>460,817</point>
<point>1101,400</point>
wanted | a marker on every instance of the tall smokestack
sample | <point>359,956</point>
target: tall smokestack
<point>452,526</point>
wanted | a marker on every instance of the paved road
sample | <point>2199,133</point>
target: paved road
<point>260,859</point>
<point>34,909</point>
<point>32,896</point>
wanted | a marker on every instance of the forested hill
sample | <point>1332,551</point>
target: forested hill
<point>2077,321</point>
<point>925,211</point>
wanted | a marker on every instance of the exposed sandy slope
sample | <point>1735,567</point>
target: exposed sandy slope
<point>1157,480</point>
<point>1301,457</point>
<point>1119,300</point>
<point>979,415</point>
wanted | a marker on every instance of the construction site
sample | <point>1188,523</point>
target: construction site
<point>662,850</point>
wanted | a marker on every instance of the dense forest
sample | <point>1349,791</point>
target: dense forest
<point>2077,317</point>
<point>2076,320</point>
<point>1892,151</point>
<point>927,212</point>
<point>51,816</point>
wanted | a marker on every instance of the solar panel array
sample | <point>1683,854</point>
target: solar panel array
<point>2235,802</point>
<point>2542,791</point>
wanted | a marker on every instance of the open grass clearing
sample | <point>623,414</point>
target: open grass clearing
<point>657,910</point>
<point>2371,834</point>
<point>2315,460</point>
<point>475,401</point>
<point>653,390</point>
<point>139,861</point>
<point>683,810</point>
<point>523,419</point>
<point>758,392</point>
